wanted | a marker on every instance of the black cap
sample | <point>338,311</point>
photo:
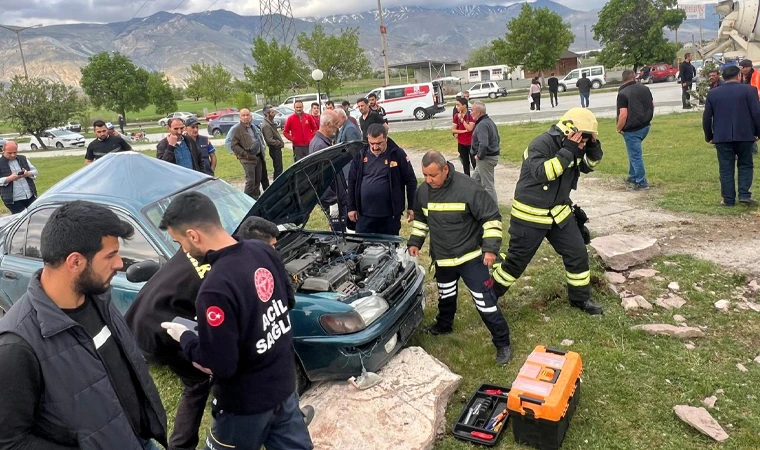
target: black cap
<point>191,122</point>
<point>745,63</point>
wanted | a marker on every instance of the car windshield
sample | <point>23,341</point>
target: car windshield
<point>232,204</point>
<point>285,110</point>
<point>61,133</point>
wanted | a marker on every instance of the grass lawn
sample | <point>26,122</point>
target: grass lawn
<point>682,169</point>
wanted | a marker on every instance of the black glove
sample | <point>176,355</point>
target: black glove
<point>573,147</point>
<point>581,218</point>
<point>594,150</point>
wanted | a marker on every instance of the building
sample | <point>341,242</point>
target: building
<point>489,73</point>
<point>428,70</point>
<point>567,62</point>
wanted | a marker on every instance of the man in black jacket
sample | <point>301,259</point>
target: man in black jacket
<point>177,149</point>
<point>244,332</point>
<point>73,377</point>
<point>686,71</point>
<point>378,177</point>
<point>553,84</point>
<point>104,143</point>
<point>486,148</point>
<point>635,109</point>
<point>584,87</point>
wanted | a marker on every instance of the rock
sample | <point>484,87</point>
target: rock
<point>741,368</point>
<point>753,306</point>
<point>621,251</point>
<point>720,392</point>
<point>641,301</point>
<point>679,318</point>
<point>642,273</point>
<point>658,278</point>
<point>700,419</point>
<point>670,330</point>
<point>722,305</point>
<point>547,318</point>
<point>689,346</point>
<point>613,288</point>
<point>614,277</point>
<point>754,286</point>
<point>673,286</point>
<point>698,288</point>
<point>526,278</point>
<point>670,302</point>
<point>567,343</point>
<point>629,303</point>
<point>757,360</point>
<point>709,402</point>
<point>406,410</point>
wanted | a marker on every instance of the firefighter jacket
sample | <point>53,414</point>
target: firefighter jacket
<point>550,170</point>
<point>460,217</point>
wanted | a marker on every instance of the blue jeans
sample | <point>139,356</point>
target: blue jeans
<point>740,154</point>
<point>584,99</point>
<point>633,139</point>
<point>281,428</point>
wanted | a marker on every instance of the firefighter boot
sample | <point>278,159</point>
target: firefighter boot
<point>503,355</point>
<point>589,307</point>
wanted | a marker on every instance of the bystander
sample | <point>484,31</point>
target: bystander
<point>486,147</point>
<point>17,175</point>
<point>103,143</point>
<point>635,109</point>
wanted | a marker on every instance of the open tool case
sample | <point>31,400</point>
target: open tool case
<point>488,419</point>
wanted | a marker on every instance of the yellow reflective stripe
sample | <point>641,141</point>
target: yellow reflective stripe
<point>529,209</point>
<point>557,166</point>
<point>503,273</point>
<point>525,153</point>
<point>425,211</point>
<point>450,262</point>
<point>560,218</point>
<point>499,279</point>
<point>561,212</point>
<point>420,225</point>
<point>421,233</point>
<point>578,279</point>
<point>492,234</point>
<point>492,224</point>
<point>447,206</point>
<point>550,175</point>
<point>590,162</point>
<point>531,218</point>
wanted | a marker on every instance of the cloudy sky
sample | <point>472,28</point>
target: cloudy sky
<point>48,12</point>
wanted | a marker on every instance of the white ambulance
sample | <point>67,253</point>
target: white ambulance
<point>411,101</point>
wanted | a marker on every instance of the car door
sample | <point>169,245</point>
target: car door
<point>475,91</point>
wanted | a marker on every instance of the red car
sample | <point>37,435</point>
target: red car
<point>657,72</point>
<point>220,113</point>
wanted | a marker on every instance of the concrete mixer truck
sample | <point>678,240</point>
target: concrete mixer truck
<point>739,33</point>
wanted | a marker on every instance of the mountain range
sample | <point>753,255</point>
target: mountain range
<point>171,42</point>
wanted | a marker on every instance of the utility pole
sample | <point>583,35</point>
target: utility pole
<point>383,31</point>
<point>585,38</point>
<point>18,31</point>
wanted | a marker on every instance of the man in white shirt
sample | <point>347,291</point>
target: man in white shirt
<point>17,175</point>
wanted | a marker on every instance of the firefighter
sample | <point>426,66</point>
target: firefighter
<point>542,208</point>
<point>464,224</point>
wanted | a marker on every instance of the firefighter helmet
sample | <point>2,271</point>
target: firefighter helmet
<point>578,119</point>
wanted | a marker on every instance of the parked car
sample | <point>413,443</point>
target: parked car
<point>411,101</point>
<point>357,300</point>
<point>180,115</point>
<point>222,125</point>
<point>220,112</point>
<point>58,138</point>
<point>2,143</point>
<point>490,89</point>
<point>307,100</point>
<point>73,126</point>
<point>279,119</point>
<point>658,72</point>
<point>596,74</point>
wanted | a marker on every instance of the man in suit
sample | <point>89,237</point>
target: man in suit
<point>731,121</point>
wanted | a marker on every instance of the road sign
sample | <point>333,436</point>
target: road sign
<point>694,12</point>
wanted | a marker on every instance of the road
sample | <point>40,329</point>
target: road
<point>667,99</point>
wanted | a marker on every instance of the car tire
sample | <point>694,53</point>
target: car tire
<point>492,95</point>
<point>596,84</point>
<point>561,88</point>
<point>216,132</point>
<point>34,147</point>
<point>58,145</point>
<point>671,78</point>
<point>302,381</point>
<point>420,114</point>
<point>161,123</point>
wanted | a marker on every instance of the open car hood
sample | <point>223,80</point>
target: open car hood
<point>295,193</point>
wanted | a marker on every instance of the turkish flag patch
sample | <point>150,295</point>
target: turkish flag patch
<point>264,282</point>
<point>214,316</point>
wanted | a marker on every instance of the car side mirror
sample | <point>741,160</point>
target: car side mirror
<point>142,271</point>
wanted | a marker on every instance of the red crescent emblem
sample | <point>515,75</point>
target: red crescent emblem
<point>214,316</point>
<point>264,282</point>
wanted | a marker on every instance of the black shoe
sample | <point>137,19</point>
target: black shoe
<point>308,414</point>
<point>748,201</point>
<point>629,180</point>
<point>503,355</point>
<point>589,307</point>
<point>435,331</point>
<point>640,187</point>
<point>686,106</point>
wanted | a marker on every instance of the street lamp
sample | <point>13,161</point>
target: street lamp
<point>317,76</point>
<point>18,31</point>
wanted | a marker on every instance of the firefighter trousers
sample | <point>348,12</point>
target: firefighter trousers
<point>524,241</point>
<point>480,284</point>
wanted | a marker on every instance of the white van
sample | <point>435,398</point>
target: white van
<point>307,100</point>
<point>596,74</point>
<point>411,101</point>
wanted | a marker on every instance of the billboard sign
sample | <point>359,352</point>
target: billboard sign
<point>693,12</point>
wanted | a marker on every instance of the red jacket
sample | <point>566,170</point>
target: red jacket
<point>299,130</point>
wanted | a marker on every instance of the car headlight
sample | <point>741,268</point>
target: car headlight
<point>366,311</point>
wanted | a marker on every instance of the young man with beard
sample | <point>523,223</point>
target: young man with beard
<point>104,144</point>
<point>244,333</point>
<point>73,375</point>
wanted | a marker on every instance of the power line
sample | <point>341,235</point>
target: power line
<point>135,15</point>
<point>209,8</point>
<point>176,7</point>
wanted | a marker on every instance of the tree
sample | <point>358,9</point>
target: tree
<point>115,83</point>
<point>535,40</point>
<point>242,99</point>
<point>192,92</point>
<point>483,56</point>
<point>631,31</point>
<point>277,68</point>
<point>161,94</point>
<point>339,58</point>
<point>34,105</point>
<point>214,83</point>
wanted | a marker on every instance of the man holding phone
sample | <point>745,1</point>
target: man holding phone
<point>17,176</point>
<point>542,207</point>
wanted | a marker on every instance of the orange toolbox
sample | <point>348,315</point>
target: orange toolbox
<point>544,396</point>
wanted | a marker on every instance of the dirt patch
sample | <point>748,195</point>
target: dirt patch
<point>728,241</point>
